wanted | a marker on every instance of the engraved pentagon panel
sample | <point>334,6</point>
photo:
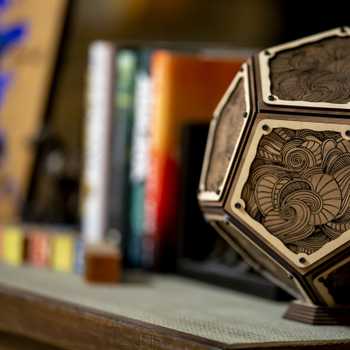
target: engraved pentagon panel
<point>294,188</point>
<point>311,72</point>
<point>257,258</point>
<point>334,284</point>
<point>225,133</point>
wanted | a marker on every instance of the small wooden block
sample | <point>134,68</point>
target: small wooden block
<point>318,315</point>
<point>103,263</point>
<point>38,249</point>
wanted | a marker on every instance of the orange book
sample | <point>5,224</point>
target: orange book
<point>187,88</point>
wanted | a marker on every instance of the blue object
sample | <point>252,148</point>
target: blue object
<point>9,36</point>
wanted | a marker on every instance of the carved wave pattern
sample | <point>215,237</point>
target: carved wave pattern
<point>299,187</point>
<point>317,72</point>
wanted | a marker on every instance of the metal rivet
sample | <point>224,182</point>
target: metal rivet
<point>272,98</point>
<point>290,277</point>
<point>238,205</point>
<point>267,53</point>
<point>265,127</point>
<point>343,29</point>
<point>245,114</point>
<point>302,260</point>
<point>217,191</point>
<point>321,279</point>
<point>347,133</point>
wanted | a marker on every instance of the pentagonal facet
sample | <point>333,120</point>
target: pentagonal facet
<point>294,188</point>
<point>225,132</point>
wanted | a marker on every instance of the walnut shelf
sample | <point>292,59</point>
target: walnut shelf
<point>163,312</point>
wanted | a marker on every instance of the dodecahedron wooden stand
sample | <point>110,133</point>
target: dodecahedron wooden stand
<point>276,175</point>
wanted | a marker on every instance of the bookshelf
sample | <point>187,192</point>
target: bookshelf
<point>161,312</point>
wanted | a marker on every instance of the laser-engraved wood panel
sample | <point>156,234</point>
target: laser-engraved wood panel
<point>258,259</point>
<point>228,129</point>
<point>315,72</point>
<point>299,187</point>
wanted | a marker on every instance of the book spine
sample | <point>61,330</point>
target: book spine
<point>139,160</point>
<point>126,64</point>
<point>97,140</point>
<point>162,181</point>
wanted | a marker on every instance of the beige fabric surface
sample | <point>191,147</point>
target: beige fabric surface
<point>179,304</point>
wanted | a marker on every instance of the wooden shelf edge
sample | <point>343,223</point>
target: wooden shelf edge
<point>70,326</point>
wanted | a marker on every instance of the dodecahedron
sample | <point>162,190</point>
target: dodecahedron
<point>276,175</point>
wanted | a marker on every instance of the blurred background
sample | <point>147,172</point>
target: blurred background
<point>44,118</point>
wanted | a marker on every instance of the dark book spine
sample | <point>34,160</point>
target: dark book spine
<point>139,160</point>
<point>126,65</point>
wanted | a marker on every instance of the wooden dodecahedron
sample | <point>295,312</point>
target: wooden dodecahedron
<point>276,175</point>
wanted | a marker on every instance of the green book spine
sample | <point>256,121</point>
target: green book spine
<point>126,66</point>
<point>139,159</point>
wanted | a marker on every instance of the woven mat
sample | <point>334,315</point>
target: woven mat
<point>179,304</point>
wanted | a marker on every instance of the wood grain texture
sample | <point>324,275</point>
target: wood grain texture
<point>15,342</point>
<point>299,187</point>
<point>318,315</point>
<point>58,309</point>
<point>317,72</point>
<point>72,327</point>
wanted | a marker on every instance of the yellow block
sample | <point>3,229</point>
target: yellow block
<point>63,253</point>
<point>13,245</point>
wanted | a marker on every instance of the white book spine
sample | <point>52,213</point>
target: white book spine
<point>99,111</point>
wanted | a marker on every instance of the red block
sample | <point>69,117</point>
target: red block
<point>38,248</point>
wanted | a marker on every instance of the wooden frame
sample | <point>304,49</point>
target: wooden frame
<point>266,56</point>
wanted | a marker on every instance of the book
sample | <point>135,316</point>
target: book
<point>139,161</point>
<point>187,88</point>
<point>119,204</point>
<point>100,88</point>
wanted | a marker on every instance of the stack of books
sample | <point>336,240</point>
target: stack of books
<point>139,100</point>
